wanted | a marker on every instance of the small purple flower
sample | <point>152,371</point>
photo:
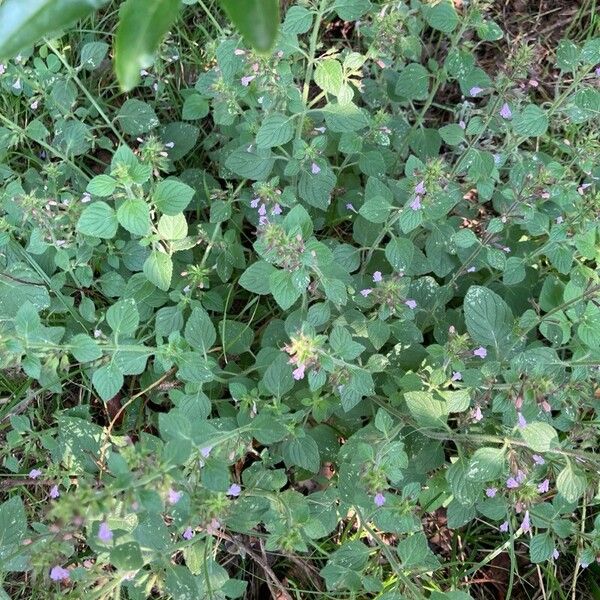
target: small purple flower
<point>481,352</point>
<point>234,490</point>
<point>188,534</point>
<point>505,111</point>
<point>471,270</point>
<point>34,473</point>
<point>104,533</point>
<point>298,372</point>
<point>59,574</point>
<point>544,486</point>
<point>416,203</point>
<point>205,452</point>
<point>350,206</point>
<point>315,169</point>
<point>497,159</point>
<point>262,211</point>
<point>365,292</point>
<point>559,220</point>
<point>477,414</point>
<point>555,554</point>
<point>584,565</point>
<point>174,497</point>
<point>491,492</point>
<point>54,493</point>
<point>245,81</point>
<point>475,91</point>
<point>504,527</point>
<point>512,483</point>
<point>526,523</point>
<point>521,420</point>
<point>538,460</point>
<point>520,476</point>
<point>456,376</point>
<point>276,210</point>
<point>254,203</point>
<point>379,499</point>
<point>420,188</point>
<point>412,304</point>
<point>597,71</point>
<point>377,276</point>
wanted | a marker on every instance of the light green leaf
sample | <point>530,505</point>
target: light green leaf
<point>194,107</point>
<point>200,332</point>
<point>98,220</point>
<point>255,278</point>
<point>426,410</point>
<point>25,22</point>
<point>256,20</point>
<point>571,483</point>
<point>283,289</point>
<point>250,163</point>
<point>101,185</point>
<point>302,452</point>
<point>137,117</point>
<point>107,381</point>
<point>84,348</point>
<point>441,16</point>
<point>276,130</point>
<point>134,215</point>
<point>142,25</point>
<point>541,547</point>
<point>171,196</point>
<point>540,436</point>
<point>123,316</point>
<point>329,76</point>
<point>173,227</point>
<point>531,122</point>
<point>488,318</point>
<point>413,82</point>
<point>486,464</point>
<point>158,268</point>
<point>297,20</point>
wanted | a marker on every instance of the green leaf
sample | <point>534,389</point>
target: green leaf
<point>123,316</point>
<point>250,163</point>
<point>541,548</point>
<point>173,227</point>
<point>297,20</point>
<point>158,268</point>
<point>92,55</point>
<point>302,452</point>
<point>200,332</point>
<point>276,130</point>
<point>134,215</point>
<point>23,23</point>
<point>531,122</point>
<point>84,348</point>
<point>488,318</point>
<point>137,117</point>
<point>98,220</point>
<point>486,464</point>
<point>278,376</point>
<point>127,556</point>
<point>194,107</point>
<point>540,437</point>
<point>571,483</point>
<point>413,82</point>
<point>13,528</point>
<point>255,278</point>
<point>101,185</point>
<point>588,329</point>
<point>142,25</point>
<point>441,16</point>
<point>283,289</point>
<point>329,76</point>
<point>171,196</point>
<point>256,20</point>
<point>426,410</point>
<point>107,381</point>
<point>341,118</point>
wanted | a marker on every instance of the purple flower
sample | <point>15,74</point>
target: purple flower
<point>462,124</point>
<point>262,211</point>
<point>54,493</point>
<point>520,476</point>
<point>559,220</point>
<point>276,210</point>
<point>481,352</point>
<point>505,111</point>
<point>538,460</point>
<point>298,372</point>
<point>420,188</point>
<point>456,376</point>
<point>377,276</point>
<point>379,499</point>
<point>597,71</point>
<point>477,414</point>
<point>104,533</point>
<point>365,292</point>
<point>315,169</point>
<point>254,202</point>
<point>584,565</point>
<point>416,203</point>
<point>234,490</point>
<point>188,534</point>
<point>491,492</point>
<point>59,574</point>
<point>475,91</point>
<point>544,486</point>
<point>245,81</point>
<point>174,497</point>
<point>526,523</point>
<point>504,527</point>
<point>512,483</point>
<point>205,452</point>
<point>34,473</point>
<point>555,554</point>
<point>521,420</point>
<point>412,304</point>
<point>350,206</point>
<point>471,270</point>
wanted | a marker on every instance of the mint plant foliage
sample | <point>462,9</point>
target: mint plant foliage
<point>323,318</point>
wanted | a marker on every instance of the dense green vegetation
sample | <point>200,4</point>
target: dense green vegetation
<point>317,321</point>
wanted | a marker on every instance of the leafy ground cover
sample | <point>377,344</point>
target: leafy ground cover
<point>323,322</point>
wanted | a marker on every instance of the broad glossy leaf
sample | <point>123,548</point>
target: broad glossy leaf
<point>256,20</point>
<point>142,25</point>
<point>25,22</point>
